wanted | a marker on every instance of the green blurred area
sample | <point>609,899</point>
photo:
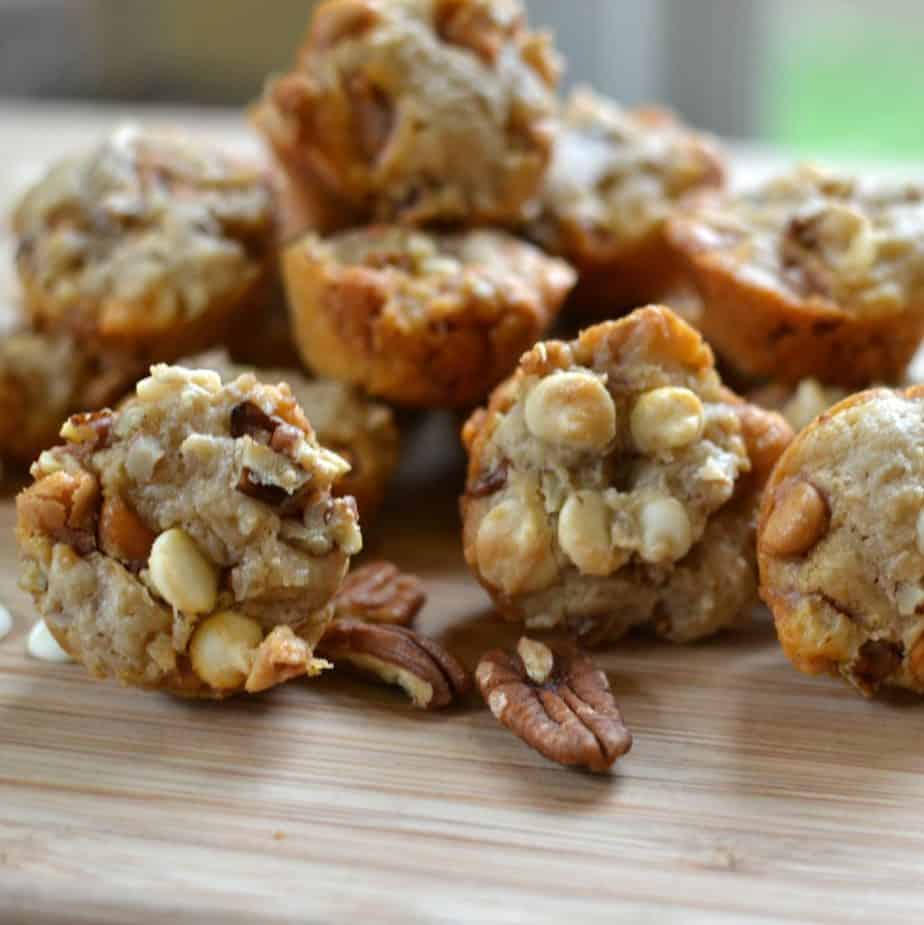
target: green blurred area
<point>854,90</point>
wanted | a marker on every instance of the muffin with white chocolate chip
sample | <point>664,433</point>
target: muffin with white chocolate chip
<point>423,319</point>
<point>810,275</point>
<point>613,482</point>
<point>841,542</point>
<point>189,541</point>
<point>417,111</point>
<point>616,176</point>
<point>152,242</point>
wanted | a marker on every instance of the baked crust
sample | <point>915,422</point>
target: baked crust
<point>418,318</point>
<point>811,275</point>
<point>150,243</point>
<point>417,110</point>
<point>45,378</point>
<point>841,562</point>
<point>189,541</point>
<point>613,482</point>
<point>616,176</point>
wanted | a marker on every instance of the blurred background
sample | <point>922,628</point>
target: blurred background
<point>825,76</point>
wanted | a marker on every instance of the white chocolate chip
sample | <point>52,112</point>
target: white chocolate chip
<point>223,647</point>
<point>919,532</point>
<point>846,236</point>
<point>181,574</point>
<point>538,659</point>
<point>584,534</point>
<point>572,409</point>
<point>808,401</point>
<point>514,549</point>
<point>665,419</point>
<point>142,457</point>
<point>666,532</point>
<point>908,597</point>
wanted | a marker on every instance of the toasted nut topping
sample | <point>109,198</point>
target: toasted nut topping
<point>514,548</point>
<point>569,716</point>
<point>281,657</point>
<point>122,533</point>
<point>181,574</point>
<point>431,677</point>
<point>379,593</point>
<point>666,419</point>
<point>584,534</point>
<point>799,519</point>
<point>919,533</point>
<point>666,532</point>
<point>573,409</point>
<point>223,648</point>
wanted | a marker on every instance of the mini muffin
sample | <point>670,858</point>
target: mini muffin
<point>45,378</point>
<point>841,542</point>
<point>613,482</point>
<point>417,110</point>
<point>422,319</point>
<point>189,542</point>
<point>150,243</point>
<point>811,275</point>
<point>616,175</point>
<point>355,427</point>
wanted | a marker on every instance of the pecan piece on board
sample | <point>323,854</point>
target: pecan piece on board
<point>431,676</point>
<point>557,701</point>
<point>380,593</point>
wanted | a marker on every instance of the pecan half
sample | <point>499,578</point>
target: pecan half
<point>431,676</point>
<point>556,701</point>
<point>380,593</point>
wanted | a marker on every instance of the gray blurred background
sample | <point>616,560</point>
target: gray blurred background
<point>843,76</point>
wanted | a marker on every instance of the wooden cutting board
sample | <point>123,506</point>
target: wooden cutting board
<point>752,794</point>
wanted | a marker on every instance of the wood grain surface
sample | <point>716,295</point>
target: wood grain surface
<point>752,794</point>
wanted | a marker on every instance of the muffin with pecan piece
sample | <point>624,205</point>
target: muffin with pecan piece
<point>45,378</point>
<point>841,542</point>
<point>810,275</point>
<point>150,243</point>
<point>616,176</point>
<point>362,431</point>
<point>424,319</point>
<point>613,482</point>
<point>189,541</point>
<point>417,110</point>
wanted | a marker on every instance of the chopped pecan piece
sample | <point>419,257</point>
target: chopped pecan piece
<point>281,657</point>
<point>64,507</point>
<point>380,593</point>
<point>122,533</point>
<point>90,431</point>
<point>556,701</point>
<point>250,420</point>
<point>431,676</point>
<point>490,482</point>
